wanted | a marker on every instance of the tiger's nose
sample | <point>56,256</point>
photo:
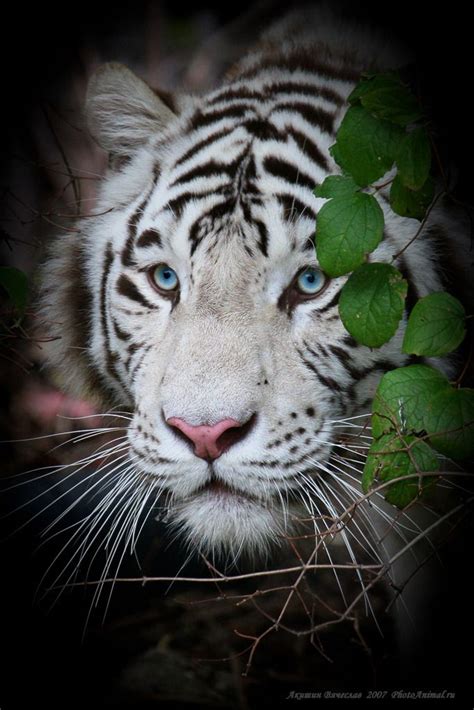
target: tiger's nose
<point>210,441</point>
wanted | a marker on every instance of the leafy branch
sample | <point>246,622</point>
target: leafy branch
<point>416,411</point>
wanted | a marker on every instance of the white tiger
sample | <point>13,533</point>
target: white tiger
<point>195,299</point>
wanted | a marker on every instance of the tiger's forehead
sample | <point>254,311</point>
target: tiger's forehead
<point>214,225</point>
<point>224,190</point>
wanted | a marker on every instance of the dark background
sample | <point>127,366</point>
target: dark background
<point>40,45</point>
<point>43,660</point>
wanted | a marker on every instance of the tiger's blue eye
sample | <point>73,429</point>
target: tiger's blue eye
<point>165,277</point>
<point>311,281</point>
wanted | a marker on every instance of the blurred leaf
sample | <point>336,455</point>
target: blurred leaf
<point>15,283</point>
<point>373,82</point>
<point>411,203</point>
<point>436,326</point>
<point>402,398</point>
<point>449,419</point>
<point>414,159</point>
<point>366,146</point>
<point>392,457</point>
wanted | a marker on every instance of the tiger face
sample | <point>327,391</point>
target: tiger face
<point>220,354</point>
<point>197,300</point>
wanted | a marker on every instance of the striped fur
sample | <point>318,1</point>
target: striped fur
<point>222,191</point>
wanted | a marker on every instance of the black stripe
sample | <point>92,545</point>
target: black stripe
<point>150,237</point>
<point>414,360</point>
<point>176,206</point>
<point>344,359</point>
<point>120,334</point>
<point>108,261</point>
<point>126,287</point>
<point>333,302</point>
<point>149,458</point>
<point>349,340</point>
<point>111,356</point>
<point>132,349</point>
<point>261,227</point>
<point>79,329</point>
<point>412,293</point>
<point>140,360</point>
<point>239,93</point>
<point>133,222</point>
<point>262,129</point>
<point>250,170</point>
<point>195,236</point>
<point>209,169</point>
<point>380,366</point>
<point>294,87</point>
<point>288,464</point>
<point>288,172</point>
<point>315,115</point>
<point>128,312</point>
<point>326,381</point>
<point>304,457</point>
<point>308,147</point>
<point>217,211</point>
<point>263,241</point>
<point>203,144</point>
<point>200,119</point>
<point>283,87</point>
<point>301,61</point>
<point>308,245</point>
<point>111,363</point>
<point>294,208</point>
<point>132,231</point>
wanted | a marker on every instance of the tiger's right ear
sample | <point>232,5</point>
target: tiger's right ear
<point>122,111</point>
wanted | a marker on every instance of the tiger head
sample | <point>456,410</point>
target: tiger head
<point>193,297</point>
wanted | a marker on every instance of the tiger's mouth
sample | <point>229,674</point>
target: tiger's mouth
<point>217,489</point>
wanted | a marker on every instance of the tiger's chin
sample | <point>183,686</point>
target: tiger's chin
<point>225,525</point>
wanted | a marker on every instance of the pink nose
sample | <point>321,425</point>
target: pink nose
<point>209,441</point>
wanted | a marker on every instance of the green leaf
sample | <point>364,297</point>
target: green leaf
<point>366,146</point>
<point>371,303</point>
<point>402,398</point>
<point>449,420</point>
<point>334,151</point>
<point>336,186</point>
<point>347,228</point>
<point>15,283</point>
<point>436,326</point>
<point>373,82</point>
<point>391,457</point>
<point>414,159</point>
<point>411,203</point>
<point>393,103</point>
<point>386,96</point>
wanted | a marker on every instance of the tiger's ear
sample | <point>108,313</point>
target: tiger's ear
<point>122,111</point>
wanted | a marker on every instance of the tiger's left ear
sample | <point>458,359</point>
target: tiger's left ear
<point>122,111</point>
